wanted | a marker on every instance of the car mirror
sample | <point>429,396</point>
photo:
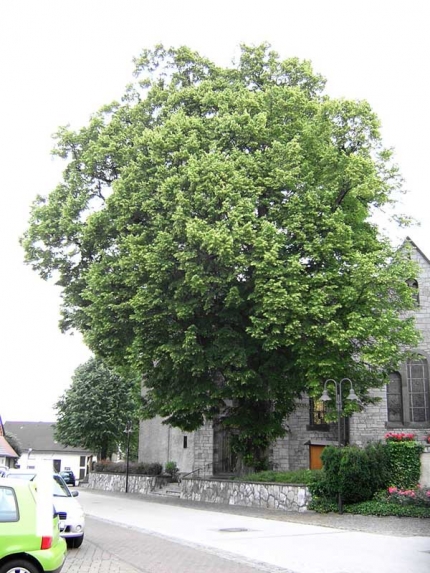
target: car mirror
<point>75,493</point>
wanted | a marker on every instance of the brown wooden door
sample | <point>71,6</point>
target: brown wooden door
<point>315,452</point>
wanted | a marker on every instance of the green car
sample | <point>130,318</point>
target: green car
<point>22,549</point>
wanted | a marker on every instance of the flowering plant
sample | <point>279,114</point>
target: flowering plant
<point>427,439</point>
<point>399,437</point>
<point>417,496</point>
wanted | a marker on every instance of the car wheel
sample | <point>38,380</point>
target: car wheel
<point>19,566</point>
<point>73,542</point>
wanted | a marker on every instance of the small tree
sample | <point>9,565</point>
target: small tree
<point>95,410</point>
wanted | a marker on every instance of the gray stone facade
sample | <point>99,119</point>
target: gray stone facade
<point>160,443</point>
<point>373,423</point>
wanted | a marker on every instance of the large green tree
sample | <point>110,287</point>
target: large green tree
<point>213,232</point>
<point>95,411</point>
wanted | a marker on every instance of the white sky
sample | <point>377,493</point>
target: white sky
<point>60,60</point>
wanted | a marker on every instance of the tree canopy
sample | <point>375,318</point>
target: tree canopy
<point>94,412</point>
<point>14,443</point>
<point>213,233</point>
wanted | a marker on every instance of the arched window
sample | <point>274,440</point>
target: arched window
<point>408,395</point>
<point>413,284</point>
<point>418,390</point>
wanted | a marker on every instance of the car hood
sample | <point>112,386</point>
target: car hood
<point>68,505</point>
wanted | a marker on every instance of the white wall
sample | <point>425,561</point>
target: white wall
<point>69,461</point>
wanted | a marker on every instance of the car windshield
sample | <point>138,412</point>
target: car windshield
<point>60,489</point>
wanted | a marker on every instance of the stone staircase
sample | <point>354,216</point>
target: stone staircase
<point>169,490</point>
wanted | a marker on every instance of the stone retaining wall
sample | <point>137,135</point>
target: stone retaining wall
<point>116,482</point>
<point>249,494</point>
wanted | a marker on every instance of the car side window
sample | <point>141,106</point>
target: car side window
<point>8,505</point>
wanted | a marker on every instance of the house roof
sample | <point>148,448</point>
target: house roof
<point>39,436</point>
<point>409,240</point>
<point>6,449</point>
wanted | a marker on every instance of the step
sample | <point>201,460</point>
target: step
<point>167,492</point>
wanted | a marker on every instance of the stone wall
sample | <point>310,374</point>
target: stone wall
<point>300,436</point>
<point>203,448</point>
<point>422,313</point>
<point>370,425</point>
<point>267,495</point>
<point>116,482</point>
<point>161,443</point>
<point>249,494</point>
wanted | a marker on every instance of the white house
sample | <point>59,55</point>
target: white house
<point>38,443</point>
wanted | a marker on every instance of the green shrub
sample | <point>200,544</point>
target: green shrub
<point>353,472</point>
<point>380,508</point>
<point>329,484</point>
<point>149,469</point>
<point>404,463</point>
<point>172,469</point>
<point>355,476</point>
<point>320,488</point>
<point>292,477</point>
<point>382,504</point>
<point>378,465</point>
<point>323,506</point>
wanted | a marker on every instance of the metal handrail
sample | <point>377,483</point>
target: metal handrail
<point>198,470</point>
<point>208,465</point>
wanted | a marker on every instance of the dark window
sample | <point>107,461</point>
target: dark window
<point>82,461</point>
<point>413,284</point>
<point>408,397</point>
<point>394,398</point>
<point>317,414</point>
<point>185,441</point>
<point>418,389</point>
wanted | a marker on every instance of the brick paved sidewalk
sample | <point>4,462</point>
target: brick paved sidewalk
<point>132,551</point>
<point>92,559</point>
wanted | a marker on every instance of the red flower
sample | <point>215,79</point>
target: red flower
<point>399,437</point>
